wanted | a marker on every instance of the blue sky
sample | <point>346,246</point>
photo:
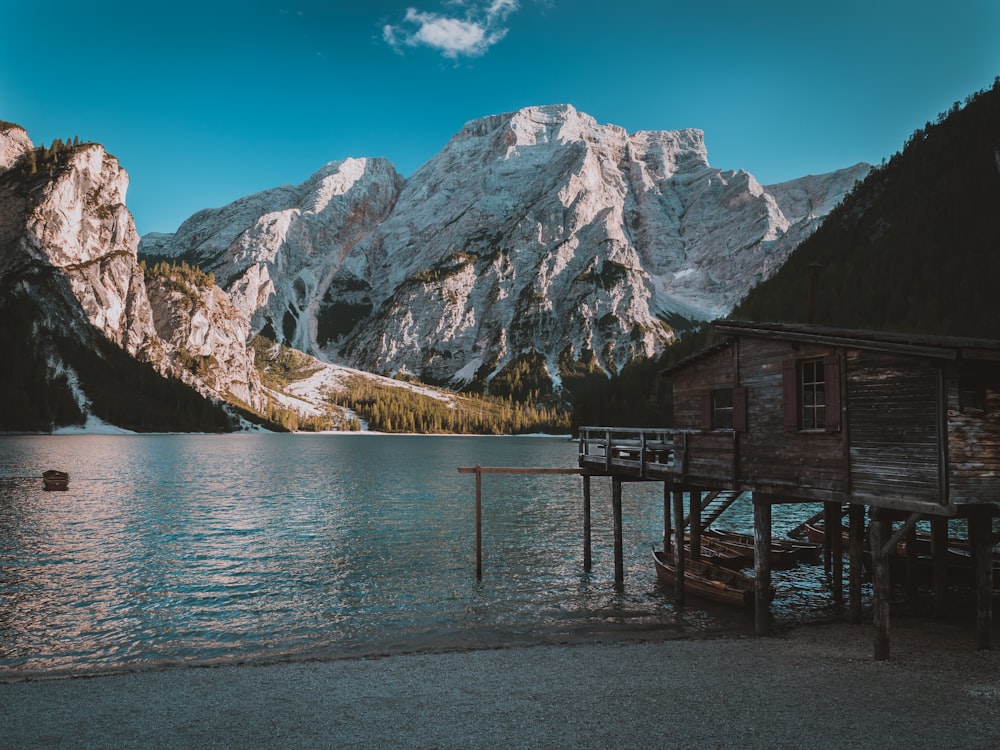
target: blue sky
<point>204,102</point>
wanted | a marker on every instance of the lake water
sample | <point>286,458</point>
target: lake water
<point>195,549</point>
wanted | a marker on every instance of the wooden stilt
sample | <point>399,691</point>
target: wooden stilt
<point>980,535</point>
<point>880,532</point>
<point>694,513</point>
<point>911,564</point>
<point>587,554</point>
<point>762,562</point>
<point>939,552</point>
<point>857,545</point>
<point>827,537</point>
<point>835,531</point>
<point>616,509</point>
<point>679,547</point>
<point>667,534</point>
<point>479,522</point>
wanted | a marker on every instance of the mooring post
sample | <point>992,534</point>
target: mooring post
<point>616,509</point>
<point>762,563</point>
<point>679,547</point>
<point>479,522</point>
<point>857,545</point>
<point>880,529</point>
<point>587,559</point>
<point>827,536</point>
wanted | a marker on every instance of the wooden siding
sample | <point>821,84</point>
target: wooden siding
<point>809,464</point>
<point>717,370</point>
<point>894,413</point>
<point>974,439</point>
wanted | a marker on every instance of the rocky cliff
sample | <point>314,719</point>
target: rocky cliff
<point>71,278</point>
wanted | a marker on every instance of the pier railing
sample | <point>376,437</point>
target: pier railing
<point>647,453</point>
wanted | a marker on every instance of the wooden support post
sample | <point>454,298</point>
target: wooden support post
<point>479,522</point>
<point>827,536</point>
<point>679,547</point>
<point>857,544</point>
<point>911,563</point>
<point>939,553</point>
<point>667,533</point>
<point>616,510</point>
<point>835,530</point>
<point>587,555</point>
<point>980,534</point>
<point>694,513</point>
<point>762,562</point>
<point>881,584</point>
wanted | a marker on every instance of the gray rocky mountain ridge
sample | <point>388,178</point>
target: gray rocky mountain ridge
<point>533,231</point>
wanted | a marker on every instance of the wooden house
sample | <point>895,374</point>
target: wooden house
<point>906,426</point>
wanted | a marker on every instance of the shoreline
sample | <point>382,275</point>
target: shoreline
<point>808,686</point>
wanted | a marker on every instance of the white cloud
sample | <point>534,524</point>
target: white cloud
<point>454,36</point>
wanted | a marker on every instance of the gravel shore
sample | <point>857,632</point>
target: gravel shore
<point>814,686</point>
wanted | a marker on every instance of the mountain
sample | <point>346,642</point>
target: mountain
<point>536,240</point>
<point>80,334</point>
<point>915,247</point>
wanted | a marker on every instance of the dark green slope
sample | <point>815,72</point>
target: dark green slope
<point>915,247</point>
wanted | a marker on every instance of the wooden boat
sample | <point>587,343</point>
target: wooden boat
<point>816,534</point>
<point>715,552</point>
<point>55,480</point>
<point>709,581</point>
<point>784,553</point>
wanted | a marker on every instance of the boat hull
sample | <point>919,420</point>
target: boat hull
<point>709,581</point>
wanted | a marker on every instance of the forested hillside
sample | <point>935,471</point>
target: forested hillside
<point>915,247</point>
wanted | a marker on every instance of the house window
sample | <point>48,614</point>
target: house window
<point>812,395</point>
<point>971,394</point>
<point>722,409</point>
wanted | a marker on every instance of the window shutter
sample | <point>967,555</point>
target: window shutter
<point>831,374</point>
<point>706,411</point>
<point>740,409</point>
<point>790,392</point>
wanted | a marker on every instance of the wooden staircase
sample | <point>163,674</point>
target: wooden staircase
<point>713,505</point>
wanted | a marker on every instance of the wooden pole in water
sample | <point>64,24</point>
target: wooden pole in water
<point>479,522</point>
<point>694,513</point>
<point>980,533</point>
<point>587,557</point>
<point>857,545</point>
<point>666,519</point>
<point>616,508</point>
<point>880,582</point>
<point>835,530</point>
<point>939,554</point>
<point>762,563</point>
<point>679,547</point>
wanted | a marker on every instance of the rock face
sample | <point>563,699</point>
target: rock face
<point>534,231</point>
<point>68,244</point>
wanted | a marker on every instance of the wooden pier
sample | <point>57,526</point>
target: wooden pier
<point>907,427</point>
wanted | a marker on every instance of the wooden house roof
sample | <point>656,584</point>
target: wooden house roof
<point>920,345</point>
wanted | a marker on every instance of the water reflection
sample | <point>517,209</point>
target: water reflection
<point>175,549</point>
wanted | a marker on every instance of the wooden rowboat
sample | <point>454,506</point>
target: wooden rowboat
<point>715,552</point>
<point>709,581</point>
<point>785,553</point>
<point>55,480</point>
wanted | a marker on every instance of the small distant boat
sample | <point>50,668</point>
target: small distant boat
<point>55,480</point>
<point>709,581</point>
